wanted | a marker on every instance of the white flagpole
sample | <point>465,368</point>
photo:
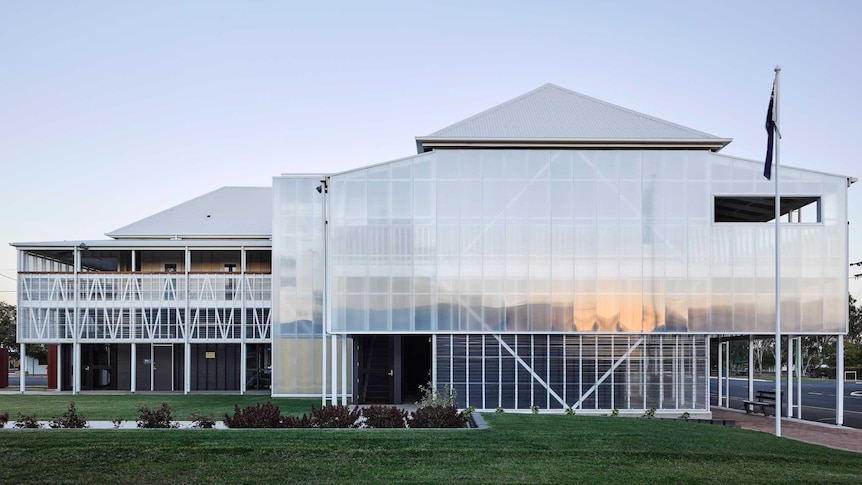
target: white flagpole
<point>777,262</point>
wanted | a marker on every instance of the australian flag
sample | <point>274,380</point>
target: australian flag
<point>770,135</point>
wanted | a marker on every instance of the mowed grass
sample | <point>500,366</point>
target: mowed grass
<point>520,448</point>
<point>108,407</point>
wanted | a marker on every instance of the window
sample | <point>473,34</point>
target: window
<point>229,281</point>
<point>170,285</point>
<point>762,209</point>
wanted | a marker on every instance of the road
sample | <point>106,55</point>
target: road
<point>31,381</point>
<point>818,398</point>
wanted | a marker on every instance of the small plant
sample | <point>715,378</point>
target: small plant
<point>570,411</point>
<point>117,422</point>
<point>615,412</point>
<point>202,421</point>
<point>499,410</point>
<point>70,419</point>
<point>159,418</point>
<point>4,418</point>
<point>535,409</point>
<point>384,417</point>
<point>433,397</point>
<point>27,421</point>
<point>437,417</point>
<point>338,416</point>
<point>266,415</point>
<point>468,411</point>
<point>649,413</point>
<point>686,416</point>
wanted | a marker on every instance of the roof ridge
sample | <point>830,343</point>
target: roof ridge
<point>616,107</point>
<point>495,107</point>
<point>629,110</point>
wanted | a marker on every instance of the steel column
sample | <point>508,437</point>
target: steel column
<point>22,368</point>
<point>751,367</point>
<point>790,376</point>
<point>134,366</point>
<point>839,381</point>
<point>719,381</point>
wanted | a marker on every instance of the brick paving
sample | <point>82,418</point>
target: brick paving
<point>843,438</point>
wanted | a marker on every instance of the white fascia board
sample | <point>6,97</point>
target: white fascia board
<point>713,144</point>
<point>760,162</point>
<point>149,244</point>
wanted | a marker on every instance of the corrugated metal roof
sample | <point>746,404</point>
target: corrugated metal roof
<point>229,212</point>
<point>552,112</point>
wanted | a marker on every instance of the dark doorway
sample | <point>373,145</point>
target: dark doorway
<point>374,382</point>
<point>163,367</point>
<point>390,368</point>
<point>258,367</point>
<point>98,364</point>
<point>415,366</point>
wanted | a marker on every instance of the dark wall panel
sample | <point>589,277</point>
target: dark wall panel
<point>219,372</point>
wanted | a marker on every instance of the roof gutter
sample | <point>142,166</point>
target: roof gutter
<point>424,144</point>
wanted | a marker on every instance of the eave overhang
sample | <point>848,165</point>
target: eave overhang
<point>425,144</point>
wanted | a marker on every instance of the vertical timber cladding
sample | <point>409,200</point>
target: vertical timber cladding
<point>215,367</point>
<point>584,372</point>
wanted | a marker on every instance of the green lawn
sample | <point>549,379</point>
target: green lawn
<point>108,407</point>
<point>521,448</point>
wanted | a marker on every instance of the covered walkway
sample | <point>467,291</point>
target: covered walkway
<point>839,437</point>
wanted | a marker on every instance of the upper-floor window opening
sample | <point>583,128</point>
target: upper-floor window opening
<point>762,209</point>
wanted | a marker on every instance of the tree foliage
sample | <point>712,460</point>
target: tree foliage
<point>7,329</point>
<point>8,335</point>
<point>855,331</point>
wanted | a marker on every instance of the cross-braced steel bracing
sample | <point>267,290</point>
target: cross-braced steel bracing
<point>144,306</point>
<point>584,372</point>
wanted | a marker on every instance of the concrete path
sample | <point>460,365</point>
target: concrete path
<point>842,438</point>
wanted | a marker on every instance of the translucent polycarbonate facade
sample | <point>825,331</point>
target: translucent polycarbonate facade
<point>562,241</point>
<point>582,372</point>
<point>298,273</point>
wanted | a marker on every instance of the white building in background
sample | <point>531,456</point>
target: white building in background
<point>554,250</point>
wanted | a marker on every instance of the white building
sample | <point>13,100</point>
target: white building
<point>554,250</point>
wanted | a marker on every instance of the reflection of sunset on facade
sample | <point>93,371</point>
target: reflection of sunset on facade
<point>554,250</point>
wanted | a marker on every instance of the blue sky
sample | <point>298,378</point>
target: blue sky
<point>112,111</point>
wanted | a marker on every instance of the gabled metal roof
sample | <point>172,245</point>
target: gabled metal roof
<point>228,212</point>
<point>555,116</point>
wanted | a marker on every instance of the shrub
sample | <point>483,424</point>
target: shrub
<point>686,415</point>
<point>27,421</point>
<point>570,411</point>
<point>266,415</point>
<point>337,416</point>
<point>385,417</point>
<point>432,397</point>
<point>649,413</point>
<point>534,408</point>
<point>615,412</point>
<point>70,419</point>
<point>161,417</point>
<point>437,417</point>
<point>4,418</point>
<point>499,410</point>
<point>117,422</point>
<point>296,422</point>
<point>202,421</point>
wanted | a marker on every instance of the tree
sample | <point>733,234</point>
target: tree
<point>759,346</point>
<point>7,329</point>
<point>8,335</point>
<point>854,334</point>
